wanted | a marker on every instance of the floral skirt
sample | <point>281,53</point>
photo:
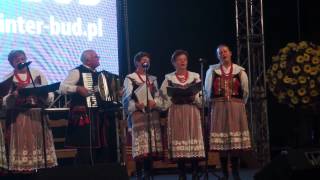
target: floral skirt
<point>229,125</point>
<point>3,158</point>
<point>26,147</point>
<point>185,138</point>
<point>140,135</point>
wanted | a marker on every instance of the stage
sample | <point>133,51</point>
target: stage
<point>245,173</point>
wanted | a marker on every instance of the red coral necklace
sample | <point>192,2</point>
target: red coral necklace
<point>23,82</point>
<point>182,78</point>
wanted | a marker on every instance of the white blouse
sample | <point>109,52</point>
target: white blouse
<point>236,70</point>
<point>166,100</point>
<point>127,101</point>
<point>34,74</point>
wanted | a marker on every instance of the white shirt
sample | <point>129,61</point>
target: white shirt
<point>68,86</point>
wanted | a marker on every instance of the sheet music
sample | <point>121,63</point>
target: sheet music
<point>39,89</point>
<point>190,90</point>
<point>141,94</point>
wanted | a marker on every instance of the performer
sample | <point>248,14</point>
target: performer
<point>139,116</point>
<point>226,88</point>
<point>24,121</point>
<point>86,129</point>
<point>185,139</point>
<point>3,158</point>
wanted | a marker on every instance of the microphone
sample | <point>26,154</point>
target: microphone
<point>146,65</point>
<point>202,60</point>
<point>23,65</point>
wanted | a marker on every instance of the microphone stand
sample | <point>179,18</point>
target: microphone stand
<point>148,111</point>
<point>205,124</point>
<point>29,72</point>
<point>42,123</point>
<point>91,118</point>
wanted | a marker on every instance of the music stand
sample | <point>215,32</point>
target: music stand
<point>148,111</point>
<point>38,91</point>
<point>5,86</point>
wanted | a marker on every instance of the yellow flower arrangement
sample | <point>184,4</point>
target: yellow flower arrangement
<point>302,91</point>
<point>283,64</point>
<point>315,60</point>
<point>309,51</point>
<point>312,83</point>
<point>302,79</point>
<point>296,69</point>
<point>292,45</point>
<point>314,93</point>
<point>305,99</point>
<point>294,74</point>
<point>287,80</point>
<point>275,58</point>
<point>314,71</point>
<point>274,81</point>
<point>303,45</point>
<point>283,57</point>
<point>307,68</point>
<point>300,59</point>
<point>294,100</point>
<point>294,82</point>
<point>279,74</point>
<point>285,50</point>
<point>275,67</point>
<point>290,93</point>
<point>306,57</point>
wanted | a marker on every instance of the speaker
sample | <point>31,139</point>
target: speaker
<point>292,165</point>
<point>112,171</point>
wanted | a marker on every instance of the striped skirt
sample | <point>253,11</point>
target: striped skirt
<point>26,148</point>
<point>3,158</point>
<point>229,125</point>
<point>185,138</point>
<point>140,135</point>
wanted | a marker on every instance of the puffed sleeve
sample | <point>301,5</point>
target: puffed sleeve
<point>197,99</point>
<point>244,85</point>
<point>127,101</point>
<point>166,100</point>
<point>208,85</point>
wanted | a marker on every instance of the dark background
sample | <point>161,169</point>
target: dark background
<point>162,26</point>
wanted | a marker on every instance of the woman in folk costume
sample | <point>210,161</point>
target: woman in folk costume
<point>3,158</point>
<point>226,88</point>
<point>24,122</point>
<point>185,139</point>
<point>139,115</point>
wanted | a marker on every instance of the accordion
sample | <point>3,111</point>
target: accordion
<point>107,89</point>
<point>109,86</point>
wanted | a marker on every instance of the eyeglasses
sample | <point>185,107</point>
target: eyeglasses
<point>22,58</point>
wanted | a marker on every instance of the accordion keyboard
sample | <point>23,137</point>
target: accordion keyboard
<point>88,83</point>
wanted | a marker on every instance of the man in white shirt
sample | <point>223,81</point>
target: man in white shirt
<point>85,120</point>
